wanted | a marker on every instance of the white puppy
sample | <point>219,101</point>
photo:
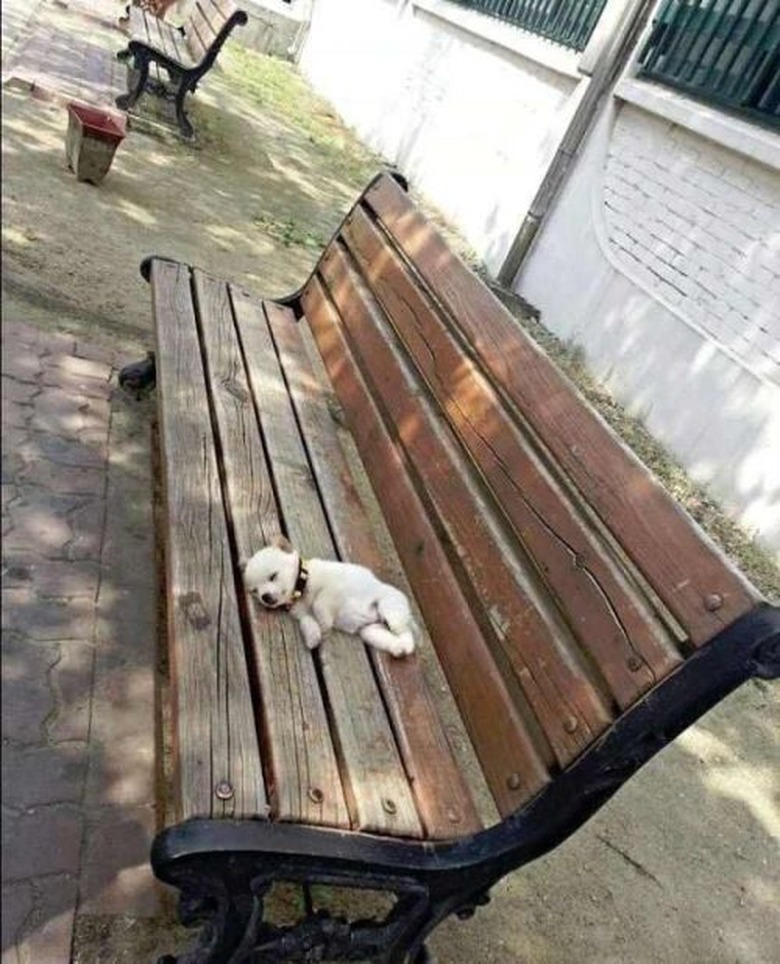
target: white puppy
<point>323,595</point>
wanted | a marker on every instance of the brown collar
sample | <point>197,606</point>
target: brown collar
<point>300,583</point>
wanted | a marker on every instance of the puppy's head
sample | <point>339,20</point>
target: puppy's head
<point>272,572</point>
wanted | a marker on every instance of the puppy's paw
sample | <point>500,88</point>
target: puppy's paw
<point>403,646</point>
<point>312,634</point>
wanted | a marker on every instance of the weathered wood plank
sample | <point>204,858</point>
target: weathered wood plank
<point>372,773</point>
<point>300,757</point>
<point>569,708</point>
<point>175,44</point>
<point>610,619</point>
<point>200,32</point>
<point>223,9</point>
<point>692,578</point>
<point>196,43</point>
<point>513,755</point>
<point>158,38</point>
<point>139,24</point>
<point>210,16</point>
<point>159,35</point>
<point>215,734</point>
<point>442,796</point>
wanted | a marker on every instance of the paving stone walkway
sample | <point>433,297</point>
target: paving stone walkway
<point>78,632</point>
<point>65,50</point>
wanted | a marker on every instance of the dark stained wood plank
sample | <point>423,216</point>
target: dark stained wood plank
<point>513,756</point>
<point>215,734</point>
<point>556,681</point>
<point>609,618</point>
<point>441,793</point>
<point>692,578</point>
<point>372,773</point>
<point>300,757</point>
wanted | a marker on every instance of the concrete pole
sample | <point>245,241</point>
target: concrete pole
<point>604,59</point>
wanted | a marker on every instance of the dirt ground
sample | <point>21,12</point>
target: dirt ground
<point>683,864</point>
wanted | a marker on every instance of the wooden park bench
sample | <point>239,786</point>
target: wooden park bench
<point>392,412</point>
<point>184,53</point>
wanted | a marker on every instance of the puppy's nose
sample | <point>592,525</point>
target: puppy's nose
<point>267,599</point>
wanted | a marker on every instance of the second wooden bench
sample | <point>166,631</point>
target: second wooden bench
<point>185,53</point>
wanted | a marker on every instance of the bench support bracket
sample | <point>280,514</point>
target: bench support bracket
<point>229,903</point>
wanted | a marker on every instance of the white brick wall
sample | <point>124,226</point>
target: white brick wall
<point>699,227</point>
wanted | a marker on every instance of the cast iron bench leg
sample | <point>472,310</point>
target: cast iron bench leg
<point>185,127</point>
<point>127,100</point>
<point>139,376</point>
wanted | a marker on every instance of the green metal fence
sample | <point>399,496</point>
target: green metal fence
<point>567,22</point>
<point>723,51</point>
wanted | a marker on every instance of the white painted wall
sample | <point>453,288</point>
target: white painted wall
<point>662,257</point>
<point>472,120</point>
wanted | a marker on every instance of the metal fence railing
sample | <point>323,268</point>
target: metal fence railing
<point>567,22</point>
<point>723,51</point>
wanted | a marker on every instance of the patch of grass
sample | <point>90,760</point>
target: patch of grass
<point>288,233</point>
<point>276,88</point>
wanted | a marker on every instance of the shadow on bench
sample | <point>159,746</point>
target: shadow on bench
<point>393,413</point>
<point>185,53</point>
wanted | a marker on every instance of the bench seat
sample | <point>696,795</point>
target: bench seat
<point>392,412</point>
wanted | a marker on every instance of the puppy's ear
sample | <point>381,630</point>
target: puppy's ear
<point>280,542</point>
<point>242,564</point>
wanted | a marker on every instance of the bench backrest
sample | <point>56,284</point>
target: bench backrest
<point>209,25</point>
<point>558,579</point>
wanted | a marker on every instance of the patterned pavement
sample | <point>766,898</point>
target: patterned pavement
<point>78,631</point>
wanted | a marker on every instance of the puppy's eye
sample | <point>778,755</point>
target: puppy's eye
<point>272,577</point>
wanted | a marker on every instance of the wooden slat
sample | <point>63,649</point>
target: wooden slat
<point>195,42</point>
<point>689,574</point>
<point>200,31</point>
<point>139,24</point>
<point>159,35</point>
<point>372,772</point>
<point>211,18</point>
<point>223,9</point>
<point>607,616</point>
<point>570,710</point>
<point>442,796</point>
<point>215,734</point>
<point>175,43</point>
<point>300,757</point>
<point>161,39</point>
<point>514,763</point>
<point>156,36</point>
